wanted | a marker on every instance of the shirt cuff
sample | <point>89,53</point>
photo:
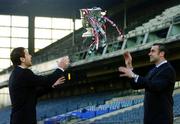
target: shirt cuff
<point>136,79</point>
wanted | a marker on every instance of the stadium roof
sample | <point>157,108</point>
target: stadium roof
<point>59,8</point>
<point>65,8</point>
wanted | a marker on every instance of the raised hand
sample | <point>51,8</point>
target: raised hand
<point>125,72</point>
<point>59,82</point>
<point>128,60</point>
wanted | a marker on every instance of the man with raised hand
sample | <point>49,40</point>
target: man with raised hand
<point>23,84</point>
<point>158,84</point>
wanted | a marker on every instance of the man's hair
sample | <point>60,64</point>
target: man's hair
<point>16,54</point>
<point>162,48</point>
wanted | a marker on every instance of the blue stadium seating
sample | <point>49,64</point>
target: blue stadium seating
<point>49,108</point>
<point>93,111</point>
<point>53,109</point>
<point>136,115</point>
<point>5,115</point>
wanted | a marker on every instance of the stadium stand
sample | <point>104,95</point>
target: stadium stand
<point>163,28</point>
<point>87,112</point>
<point>131,115</point>
<point>135,115</point>
<point>74,104</point>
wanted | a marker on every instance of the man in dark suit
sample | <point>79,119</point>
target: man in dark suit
<point>158,84</point>
<point>23,84</point>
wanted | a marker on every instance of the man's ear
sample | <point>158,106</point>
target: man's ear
<point>162,53</point>
<point>22,59</point>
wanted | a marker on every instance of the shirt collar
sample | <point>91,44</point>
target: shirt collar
<point>21,67</point>
<point>165,61</point>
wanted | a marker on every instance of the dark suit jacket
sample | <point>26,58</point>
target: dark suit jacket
<point>23,93</point>
<point>158,101</point>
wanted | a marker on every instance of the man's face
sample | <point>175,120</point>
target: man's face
<point>154,54</point>
<point>27,59</point>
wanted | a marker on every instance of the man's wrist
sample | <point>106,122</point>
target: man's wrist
<point>133,75</point>
<point>129,67</point>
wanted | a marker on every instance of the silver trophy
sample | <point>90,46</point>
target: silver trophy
<point>93,22</point>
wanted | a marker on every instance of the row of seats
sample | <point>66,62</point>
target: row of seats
<point>52,107</point>
<point>65,105</point>
<point>135,116</point>
<point>128,117</point>
<point>93,111</point>
<point>159,29</point>
<point>163,20</point>
<point>70,104</point>
<point>89,106</point>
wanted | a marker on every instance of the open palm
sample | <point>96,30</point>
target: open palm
<point>128,59</point>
